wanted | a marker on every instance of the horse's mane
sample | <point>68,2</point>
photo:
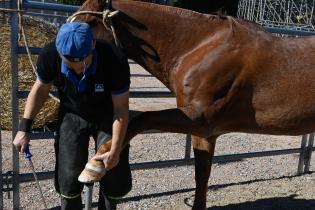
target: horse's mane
<point>185,13</point>
<point>175,10</point>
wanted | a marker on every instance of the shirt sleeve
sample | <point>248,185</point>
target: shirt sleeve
<point>46,67</point>
<point>120,82</point>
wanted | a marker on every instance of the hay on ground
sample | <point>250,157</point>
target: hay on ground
<point>38,33</point>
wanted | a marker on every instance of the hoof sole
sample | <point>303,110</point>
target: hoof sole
<point>91,174</point>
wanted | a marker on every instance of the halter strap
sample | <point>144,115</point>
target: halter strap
<point>106,19</point>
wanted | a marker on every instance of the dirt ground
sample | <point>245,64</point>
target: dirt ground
<point>265,183</point>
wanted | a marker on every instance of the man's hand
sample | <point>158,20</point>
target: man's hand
<point>21,141</point>
<point>110,159</point>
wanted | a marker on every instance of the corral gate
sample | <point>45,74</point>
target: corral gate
<point>305,150</point>
<point>279,15</point>
<point>289,14</point>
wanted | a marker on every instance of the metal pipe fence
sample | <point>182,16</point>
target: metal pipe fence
<point>305,150</point>
<point>294,14</point>
<point>15,103</point>
<point>1,178</point>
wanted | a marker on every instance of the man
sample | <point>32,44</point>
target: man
<point>93,86</point>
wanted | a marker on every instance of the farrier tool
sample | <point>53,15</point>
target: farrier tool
<point>28,156</point>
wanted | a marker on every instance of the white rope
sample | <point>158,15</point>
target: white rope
<point>107,15</point>
<point>106,20</point>
<point>71,18</point>
<point>34,70</point>
<point>28,50</point>
<point>32,64</point>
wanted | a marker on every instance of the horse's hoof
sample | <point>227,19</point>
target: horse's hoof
<point>91,174</point>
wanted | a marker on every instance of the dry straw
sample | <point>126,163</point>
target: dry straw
<point>38,33</point>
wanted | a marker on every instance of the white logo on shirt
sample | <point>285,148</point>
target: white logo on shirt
<point>99,88</point>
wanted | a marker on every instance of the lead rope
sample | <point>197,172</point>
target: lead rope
<point>106,20</point>
<point>22,32</point>
<point>107,15</point>
<point>29,55</point>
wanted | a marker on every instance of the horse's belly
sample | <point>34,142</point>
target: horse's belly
<point>295,115</point>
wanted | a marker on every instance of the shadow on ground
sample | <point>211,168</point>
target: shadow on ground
<point>278,203</point>
<point>212,187</point>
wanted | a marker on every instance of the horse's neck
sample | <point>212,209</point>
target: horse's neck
<point>156,37</point>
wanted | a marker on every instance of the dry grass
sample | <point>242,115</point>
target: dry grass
<point>38,33</point>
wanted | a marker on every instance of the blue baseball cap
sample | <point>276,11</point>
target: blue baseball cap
<point>74,41</point>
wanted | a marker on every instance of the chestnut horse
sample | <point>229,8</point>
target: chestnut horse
<point>228,75</point>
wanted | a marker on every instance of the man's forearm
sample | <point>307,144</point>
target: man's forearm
<point>120,121</point>
<point>120,125</point>
<point>35,100</point>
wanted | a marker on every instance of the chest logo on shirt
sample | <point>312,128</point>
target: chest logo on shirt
<point>99,87</point>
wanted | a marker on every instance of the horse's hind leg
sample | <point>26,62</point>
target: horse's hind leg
<point>203,150</point>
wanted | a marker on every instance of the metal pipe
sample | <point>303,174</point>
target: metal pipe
<point>133,94</point>
<point>88,196</point>
<point>1,178</point>
<point>302,155</point>
<point>15,102</point>
<point>26,177</point>
<point>308,154</point>
<point>289,31</point>
<point>49,6</point>
<point>33,50</point>
<point>188,147</point>
<point>51,135</point>
<point>42,135</point>
<point>47,15</point>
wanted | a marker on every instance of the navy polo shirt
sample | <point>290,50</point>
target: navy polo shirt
<point>81,80</point>
<point>107,75</point>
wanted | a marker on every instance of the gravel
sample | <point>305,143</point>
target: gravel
<point>256,183</point>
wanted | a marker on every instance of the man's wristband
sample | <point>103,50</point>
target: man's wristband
<point>25,125</point>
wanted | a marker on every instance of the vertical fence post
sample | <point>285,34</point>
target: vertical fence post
<point>88,196</point>
<point>3,4</point>
<point>42,11</point>
<point>308,154</point>
<point>302,155</point>
<point>188,147</point>
<point>15,103</point>
<point>1,178</point>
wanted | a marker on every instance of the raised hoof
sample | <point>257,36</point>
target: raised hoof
<point>91,174</point>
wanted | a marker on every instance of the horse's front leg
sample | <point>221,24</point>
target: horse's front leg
<point>203,150</point>
<point>170,120</point>
<point>94,170</point>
